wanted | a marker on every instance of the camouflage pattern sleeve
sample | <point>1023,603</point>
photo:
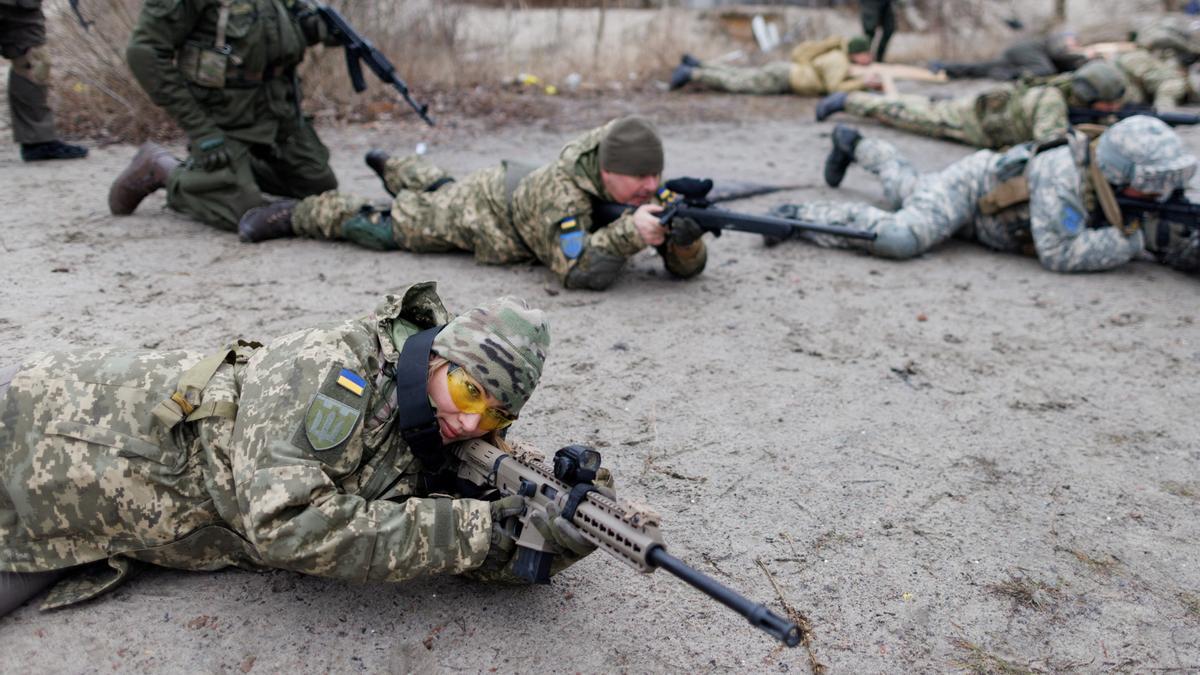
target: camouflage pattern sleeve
<point>1046,110</point>
<point>1161,83</point>
<point>1059,221</point>
<point>162,28</point>
<point>298,435</point>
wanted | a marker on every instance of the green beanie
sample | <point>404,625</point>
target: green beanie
<point>858,44</point>
<point>632,148</point>
<point>501,344</point>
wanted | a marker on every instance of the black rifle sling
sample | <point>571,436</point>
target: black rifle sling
<point>415,417</point>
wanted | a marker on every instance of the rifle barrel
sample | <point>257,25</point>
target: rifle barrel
<point>759,615</point>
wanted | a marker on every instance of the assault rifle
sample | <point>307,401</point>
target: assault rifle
<point>688,198</point>
<point>360,50</point>
<point>1176,208</point>
<point>1091,115</point>
<point>624,530</point>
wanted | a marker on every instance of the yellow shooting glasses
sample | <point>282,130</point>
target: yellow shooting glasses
<point>469,398</point>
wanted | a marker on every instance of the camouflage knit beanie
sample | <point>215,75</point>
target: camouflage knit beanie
<point>858,44</point>
<point>501,344</point>
<point>632,148</point>
<point>1098,81</point>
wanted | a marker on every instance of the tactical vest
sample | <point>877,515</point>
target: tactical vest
<point>1099,199</point>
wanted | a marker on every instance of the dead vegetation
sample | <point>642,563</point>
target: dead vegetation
<point>1028,593</point>
<point>973,658</point>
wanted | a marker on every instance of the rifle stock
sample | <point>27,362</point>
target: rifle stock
<point>359,50</point>
<point>627,531</point>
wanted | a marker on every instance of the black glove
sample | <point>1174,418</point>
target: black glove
<point>209,152</point>
<point>692,188</point>
<point>684,232</point>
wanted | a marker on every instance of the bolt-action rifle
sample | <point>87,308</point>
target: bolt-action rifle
<point>360,50</point>
<point>688,198</point>
<point>1093,116</point>
<point>627,531</point>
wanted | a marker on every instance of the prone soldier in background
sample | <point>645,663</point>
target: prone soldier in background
<point>1058,201</point>
<point>226,71</point>
<point>510,213</point>
<point>1029,57</point>
<point>1006,115</point>
<point>816,68</point>
<point>23,43</point>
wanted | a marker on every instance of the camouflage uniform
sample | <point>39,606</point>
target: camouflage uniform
<point>999,117</point>
<point>1058,217</point>
<point>1152,79</point>
<point>503,215</point>
<point>250,99</point>
<point>264,457</point>
<point>22,41</point>
<point>816,68</point>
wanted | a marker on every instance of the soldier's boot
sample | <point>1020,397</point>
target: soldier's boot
<point>36,152</point>
<point>273,221</point>
<point>831,104</point>
<point>845,140</point>
<point>148,171</point>
<point>680,76</point>
<point>378,159</point>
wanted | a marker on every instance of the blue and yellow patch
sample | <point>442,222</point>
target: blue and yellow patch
<point>351,382</point>
<point>570,238</point>
<point>1072,219</point>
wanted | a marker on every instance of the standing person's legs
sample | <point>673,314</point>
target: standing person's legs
<point>22,37</point>
<point>888,24</point>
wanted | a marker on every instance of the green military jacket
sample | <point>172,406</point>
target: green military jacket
<point>282,458</point>
<point>552,212</point>
<point>1011,114</point>
<point>174,54</point>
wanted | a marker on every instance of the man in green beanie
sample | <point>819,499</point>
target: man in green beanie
<point>319,452</point>
<point>510,213</point>
<point>816,68</point>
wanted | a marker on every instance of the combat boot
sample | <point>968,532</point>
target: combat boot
<point>273,221</point>
<point>36,152</point>
<point>831,104</point>
<point>146,173</point>
<point>845,140</point>
<point>377,160</point>
<point>680,76</point>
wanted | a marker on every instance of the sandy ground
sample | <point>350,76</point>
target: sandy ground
<point>960,462</point>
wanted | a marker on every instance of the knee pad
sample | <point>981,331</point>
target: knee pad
<point>893,240</point>
<point>595,270</point>
<point>370,229</point>
<point>33,65</point>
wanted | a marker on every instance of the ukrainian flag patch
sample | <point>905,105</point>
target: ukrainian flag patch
<point>570,238</point>
<point>351,382</point>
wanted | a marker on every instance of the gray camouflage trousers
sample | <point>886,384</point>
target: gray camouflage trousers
<point>930,208</point>
<point>771,78</point>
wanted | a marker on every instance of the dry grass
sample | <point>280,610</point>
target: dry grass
<point>975,659</point>
<point>1026,592</point>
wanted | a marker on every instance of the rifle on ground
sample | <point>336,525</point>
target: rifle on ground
<point>1093,116</point>
<point>626,531</point>
<point>359,49</point>
<point>687,198</point>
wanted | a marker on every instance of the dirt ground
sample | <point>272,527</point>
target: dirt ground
<point>960,462</point>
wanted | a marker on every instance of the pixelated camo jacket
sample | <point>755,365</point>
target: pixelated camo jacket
<point>89,473</point>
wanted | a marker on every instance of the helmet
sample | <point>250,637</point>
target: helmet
<point>1098,81</point>
<point>1143,153</point>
